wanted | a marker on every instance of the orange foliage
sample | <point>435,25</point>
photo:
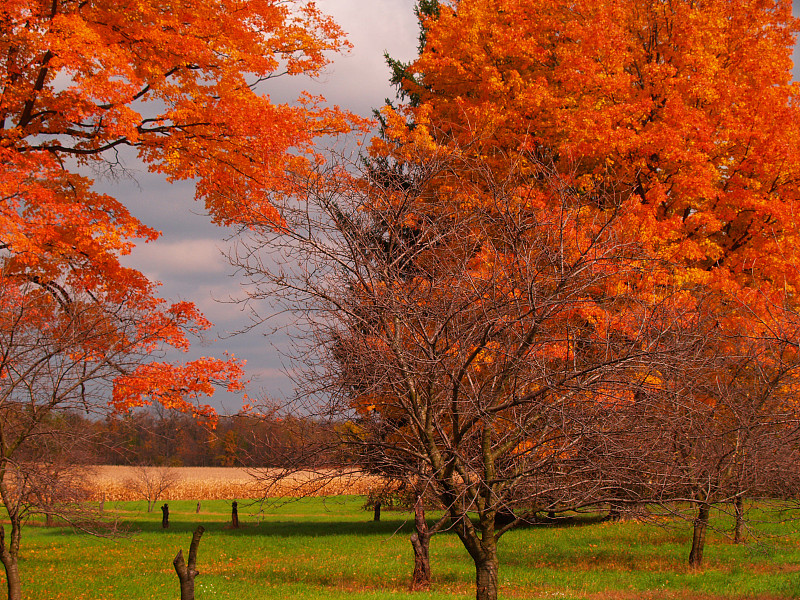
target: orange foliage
<point>177,386</point>
<point>688,107</point>
<point>673,127</point>
<point>176,81</point>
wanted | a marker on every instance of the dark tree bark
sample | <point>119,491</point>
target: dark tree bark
<point>165,516</point>
<point>699,535</point>
<point>198,507</point>
<point>486,578</point>
<point>8,556</point>
<point>187,572</point>
<point>420,542</point>
<point>481,543</point>
<point>235,515</point>
<point>614,513</point>
<point>738,531</point>
<point>377,514</point>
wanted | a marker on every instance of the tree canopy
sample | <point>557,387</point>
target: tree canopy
<point>182,84</point>
<point>688,106</point>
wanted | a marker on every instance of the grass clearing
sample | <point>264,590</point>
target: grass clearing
<point>329,548</point>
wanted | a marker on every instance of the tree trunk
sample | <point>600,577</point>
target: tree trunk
<point>165,516</point>
<point>8,556</point>
<point>377,514</point>
<point>699,535</point>
<point>420,542</point>
<point>614,512</point>
<point>738,531</point>
<point>486,578</point>
<point>187,572</point>
<point>235,515</point>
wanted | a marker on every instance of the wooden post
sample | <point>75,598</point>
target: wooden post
<point>377,514</point>
<point>198,507</point>
<point>187,572</point>
<point>235,515</point>
<point>165,516</point>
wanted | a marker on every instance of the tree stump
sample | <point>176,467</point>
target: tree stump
<point>187,572</point>
<point>235,515</point>
<point>165,516</point>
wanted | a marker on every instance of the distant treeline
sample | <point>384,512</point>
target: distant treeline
<point>177,439</point>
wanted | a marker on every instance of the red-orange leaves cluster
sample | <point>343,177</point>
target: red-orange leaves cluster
<point>180,82</point>
<point>52,226</point>
<point>177,386</point>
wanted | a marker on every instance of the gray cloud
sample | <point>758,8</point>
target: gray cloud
<point>187,259</point>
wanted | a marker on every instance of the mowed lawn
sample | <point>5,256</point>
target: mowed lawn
<point>329,548</point>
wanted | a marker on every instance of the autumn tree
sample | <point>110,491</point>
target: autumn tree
<point>688,106</point>
<point>477,344</point>
<point>688,109</point>
<point>181,84</point>
<point>177,83</point>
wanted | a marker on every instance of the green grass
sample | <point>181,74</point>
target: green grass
<point>331,549</point>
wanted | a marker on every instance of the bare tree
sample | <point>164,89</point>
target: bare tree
<point>715,427</point>
<point>475,337</point>
<point>151,483</point>
<point>42,477</point>
<point>746,442</point>
<point>45,370</point>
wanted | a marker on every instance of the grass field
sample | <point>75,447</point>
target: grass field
<point>329,548</point>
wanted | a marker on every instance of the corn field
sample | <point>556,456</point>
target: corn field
<point>112,483</point>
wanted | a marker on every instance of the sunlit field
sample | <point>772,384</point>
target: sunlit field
<point>222,483</point>
<point>330,548</point>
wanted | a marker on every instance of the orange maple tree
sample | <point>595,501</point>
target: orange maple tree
<point>181,83</point>
<point>680,118</point>
<point>689,107</point>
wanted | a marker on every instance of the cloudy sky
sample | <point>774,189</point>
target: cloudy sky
<point>189,258</point>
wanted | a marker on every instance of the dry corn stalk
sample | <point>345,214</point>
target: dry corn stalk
<point>225,483</point>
